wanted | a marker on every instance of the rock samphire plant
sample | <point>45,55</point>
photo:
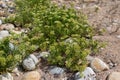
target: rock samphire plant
<point>62,31</point>
<point>13,50</point>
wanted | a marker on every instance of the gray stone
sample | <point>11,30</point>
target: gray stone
<point>29,64</point>
<point>6,76</point>
<point>87,74</point>
<point>98,65</point>
<point>114,76</point>
<point>57,71</point>
<point>4,33</point>
<point>34,58</point>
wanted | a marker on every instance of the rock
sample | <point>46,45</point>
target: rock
<point>89,58</point>
<point>11,46</point>
<point>7,26</point>
<point>4,33</point>
<point>43,55</point>
<point>6,76</point>
<point>88,74</point>
<point>111,65</point>
<point>1,38</point>
<point>16,32</point>
<point>33,75</point>
<point>114,76</point>
<point>57,71</point>
<point>34,58</point>
<point>0,22</point>
<point>118,36</point>
<point>98,65</point>
<point>69,40</point>
<point>16,71</point>
<point>90,0</point>
<point>28,64</point>
<point>3,4</point>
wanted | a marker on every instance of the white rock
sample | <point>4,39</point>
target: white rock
<point>0,22</point>
<point>6,76</point>
<point>33,75</point>
<point>29,64</point>
<point>1,38</point>
<point>11,46</point>
<point>44,55</point>
<point>4,33</point>
<point>98,65</point>
<point>118,36</point>
<point>114,76</point>
<point>69,40</point>
<point>16,71</point>
<point>88,74</point>
<point>57,70</point>
<point>34,58</point>
<point>7,26</point>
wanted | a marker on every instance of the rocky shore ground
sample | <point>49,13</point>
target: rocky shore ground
<point>102,14</point>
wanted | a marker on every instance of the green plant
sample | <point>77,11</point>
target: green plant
<point>10,56</point>
<point>62,31</point>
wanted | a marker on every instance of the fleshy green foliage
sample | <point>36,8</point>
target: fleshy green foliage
<point>50,27</point>
<point>10,57</point>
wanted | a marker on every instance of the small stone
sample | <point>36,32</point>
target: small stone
<point>88,74</point>
<point>11,46</point>
<point>34,58</point>
<point>16,71</point>
<point>114,76</point>
<point>4,33</point>
<point>6,76</point>
<point>1,38</point>
<point>90,0</point>
<point>33,75</point>
<point>69,40</point>
<point>29,64</point>
<point>57,71</point>
<point>111,65</point>
<point>98,65</point>
<point>89,58</point>
<point>118,36</point>
<point>3,4</point>
<point>43,55</point>
<point>16,32</point>
<point>0,22</point>
<point>7,26</point>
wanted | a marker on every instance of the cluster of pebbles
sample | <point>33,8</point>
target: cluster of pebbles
<point>7,8</point>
